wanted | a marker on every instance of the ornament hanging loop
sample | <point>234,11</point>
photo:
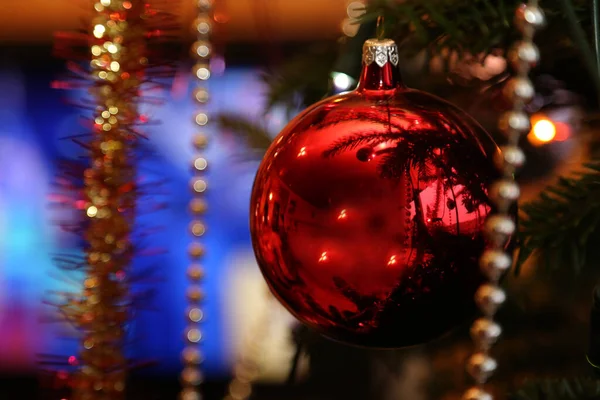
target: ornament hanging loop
<point>380,30</point>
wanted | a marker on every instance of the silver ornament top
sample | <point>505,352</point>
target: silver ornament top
<point>380,51</point>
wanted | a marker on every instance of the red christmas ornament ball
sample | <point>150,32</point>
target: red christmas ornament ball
<point>367,211</point>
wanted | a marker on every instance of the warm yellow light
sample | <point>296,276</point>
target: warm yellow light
<point>112,48</point>
<point>92,211</point>
<point>99,30</point>
<point>544,130</point>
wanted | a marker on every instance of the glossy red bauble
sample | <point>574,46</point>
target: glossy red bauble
<point>367,213</point>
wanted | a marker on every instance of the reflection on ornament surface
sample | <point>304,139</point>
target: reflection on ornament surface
<point>367,214</point>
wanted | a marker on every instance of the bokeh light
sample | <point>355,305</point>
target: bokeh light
<point>341,81</point>
<point>543,131</point>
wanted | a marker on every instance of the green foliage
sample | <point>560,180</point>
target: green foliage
<point>563,389</point>
<point>562,224</point>
<point>476,26</point>
<point>460,25</point>
<point>443,28</point>
<point>255,135</point>
<point>301,80</point>
<point>463,29</point>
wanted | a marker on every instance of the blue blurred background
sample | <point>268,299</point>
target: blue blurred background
<point>35,119</point>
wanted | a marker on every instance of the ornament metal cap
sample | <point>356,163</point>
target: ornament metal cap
<point>380,51</point>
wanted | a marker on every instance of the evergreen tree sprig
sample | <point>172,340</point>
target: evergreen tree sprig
<point>562,224</point>
<point>559,389</point>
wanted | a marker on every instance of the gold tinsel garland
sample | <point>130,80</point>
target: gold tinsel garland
<point>110,199</point>
<point>127,49</point>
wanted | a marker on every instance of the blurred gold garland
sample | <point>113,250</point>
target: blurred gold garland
<point>117,47</point>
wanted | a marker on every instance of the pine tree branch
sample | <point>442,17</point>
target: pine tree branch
<point>444,28</point>
<point>559,389</point>
<point>376,116</point>
<point>596,26</point>
<point>303,79</point>
<point>562,225</point>
<point>466,25</point>
<point>582,42</point>
<point>593,356</point>
<point>353,141</point>
<point>451,25</point>
<point>256,136</point>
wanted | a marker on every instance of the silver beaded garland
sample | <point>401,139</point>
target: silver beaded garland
<point>499,228</point>
<point>481,366</point>
<point>529,18</point>
<point>511,157</point>
<point>519,89</point>
<point>515,121</point>
<point>485,332</point>
<point>494,263</point>
<point>504,193</point>
<point>476,393</point>
<point>523,53</point>
<point>191,356</point>
<point>489,298</point>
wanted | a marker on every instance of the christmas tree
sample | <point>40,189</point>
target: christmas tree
<point>552,313</point>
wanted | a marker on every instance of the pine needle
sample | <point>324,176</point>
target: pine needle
<point>562,225</point>
<point>559,389</point>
